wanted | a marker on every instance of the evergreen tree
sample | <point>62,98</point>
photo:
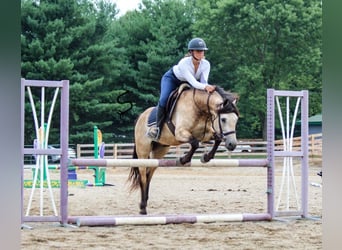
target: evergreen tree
<point>65,40</point>
<point>264,44</point>
<point>154,38</point>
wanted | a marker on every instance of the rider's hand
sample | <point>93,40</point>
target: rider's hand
<point>210,88</point>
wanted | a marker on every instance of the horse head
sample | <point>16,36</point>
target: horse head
<point>228,116</point>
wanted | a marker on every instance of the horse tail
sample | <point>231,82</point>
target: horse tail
<point>134,175</point>
<point>135,155</point>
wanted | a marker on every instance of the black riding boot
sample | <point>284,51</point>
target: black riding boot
<point>155,131</point>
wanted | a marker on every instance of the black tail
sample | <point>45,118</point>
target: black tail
<point>134,174</point>
<point>135,156</point>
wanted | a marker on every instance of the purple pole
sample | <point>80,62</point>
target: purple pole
<point>64,138</point>
<point>305,151</point>
<point>270,150</point>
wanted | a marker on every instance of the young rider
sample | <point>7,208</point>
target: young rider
<point>193,69</point>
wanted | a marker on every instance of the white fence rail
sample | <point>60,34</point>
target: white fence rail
<point>247,148</point>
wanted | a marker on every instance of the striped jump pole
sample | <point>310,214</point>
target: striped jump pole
<point>165,219</point>
<point>169,163</point>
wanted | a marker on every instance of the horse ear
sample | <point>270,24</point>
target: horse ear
<point>236,99</point>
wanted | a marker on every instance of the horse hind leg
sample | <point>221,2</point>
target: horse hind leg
<point>146,174</point>
<point>143,190</point>
<point>140,176</point>
<point>157,152</point>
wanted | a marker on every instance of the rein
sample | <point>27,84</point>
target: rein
<point>197,106</point>
<point>201,112</point>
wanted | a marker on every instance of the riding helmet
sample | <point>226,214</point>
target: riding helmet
<point>197,44</point>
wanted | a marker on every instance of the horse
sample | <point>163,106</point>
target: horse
<point>197,117</point>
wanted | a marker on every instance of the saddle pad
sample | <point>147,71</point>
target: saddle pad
<point>152,118</point>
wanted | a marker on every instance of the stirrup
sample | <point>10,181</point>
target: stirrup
<point>153,133</point>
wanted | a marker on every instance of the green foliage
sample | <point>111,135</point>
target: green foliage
<point>264,44</point>
<point>115,63</point>
<point>66,40</point>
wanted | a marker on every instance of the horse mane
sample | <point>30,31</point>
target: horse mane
<point>227,95</point>
<point>230,99</point>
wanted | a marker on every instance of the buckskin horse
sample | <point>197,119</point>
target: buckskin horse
<point>197,117</point>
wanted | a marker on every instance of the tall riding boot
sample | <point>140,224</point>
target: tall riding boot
<point>155,131</point>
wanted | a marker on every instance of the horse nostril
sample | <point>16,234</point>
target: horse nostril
<point>231,146</point>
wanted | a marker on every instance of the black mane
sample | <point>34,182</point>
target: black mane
<point>229,99</point>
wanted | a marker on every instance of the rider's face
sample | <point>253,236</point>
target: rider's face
<point>199,54</point>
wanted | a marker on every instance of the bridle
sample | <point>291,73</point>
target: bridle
<point>231,109</point>
<point>228,108</point>
<point>223,135</point>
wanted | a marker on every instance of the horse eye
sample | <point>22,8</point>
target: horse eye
<point>223,120</point>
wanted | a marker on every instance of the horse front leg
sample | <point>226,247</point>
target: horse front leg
<point>194,146</point>
<point>206,157</point>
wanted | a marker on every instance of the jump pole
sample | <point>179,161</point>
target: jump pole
<point>169,163</point>
<point>165,219</point>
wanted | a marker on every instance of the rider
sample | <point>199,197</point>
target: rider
<point>194,69</point>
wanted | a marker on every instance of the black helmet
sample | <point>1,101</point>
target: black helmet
<point>197,44</point>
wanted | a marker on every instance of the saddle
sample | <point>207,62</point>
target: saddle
<point>170,106</point>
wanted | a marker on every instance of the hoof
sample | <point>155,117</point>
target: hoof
<point>205,158</point>
<point>143,212</point>
<point>183,161</point>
